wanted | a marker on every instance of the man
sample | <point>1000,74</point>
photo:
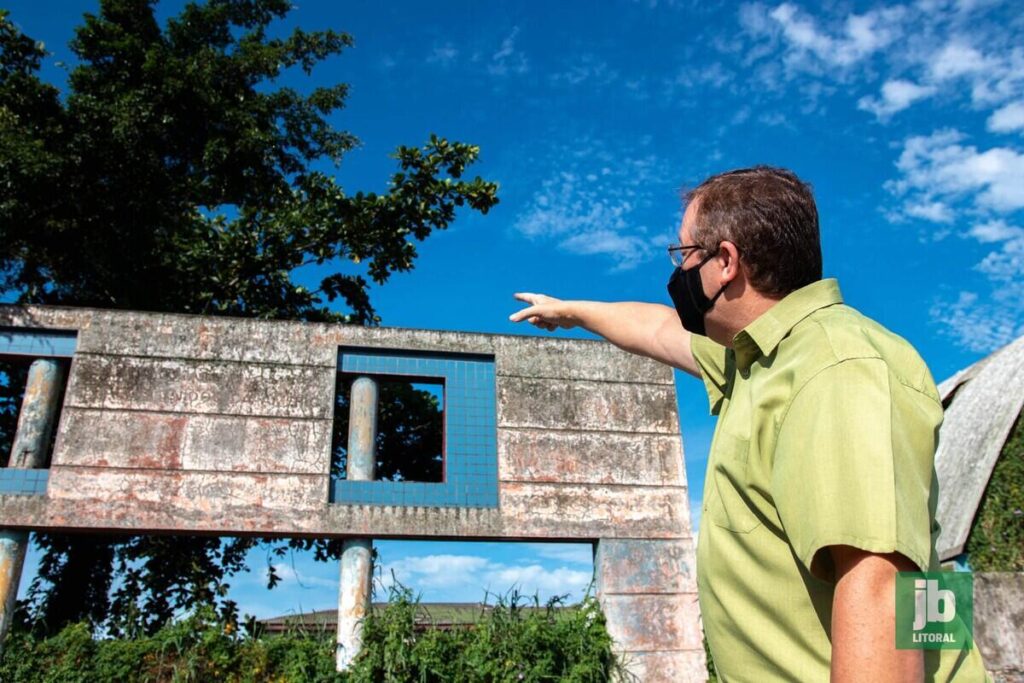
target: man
<point>820,484</point>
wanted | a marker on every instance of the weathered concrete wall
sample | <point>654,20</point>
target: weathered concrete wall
<point>165,414</point>
<point>190,424</point>
<point>648,590</point>
<point>999,623</point>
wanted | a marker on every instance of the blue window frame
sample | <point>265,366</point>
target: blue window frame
<point>37,343</point>
<point>32,343</point>
<point>470,443</point>
<point>22,482</point>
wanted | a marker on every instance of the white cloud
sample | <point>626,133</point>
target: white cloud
<point>1008,118</point>
<point>887,60</point>
<point>627,250</point>
<point>434,571</point>
<point>956,60</point>
<point>715,74</point>
<point>941,178</point>
<point>576,553</point>
<point>587,68</point>
<point>995,231</point>
<point>801,31</point>
<point>897,95</point>
<point>1005,80</point>
<point>753,18</point>
<point>507,59</point>
<point>994,77</point>
<point>590,206</point>
<point>1006,265</point>
<point>937,212</point>
<point>985,324</point>
<point>449,577</point>
<point>534,578</point>
<point>861,35</point>
<point>982,326</point>
<point>938,166</point>
<point>917,50</point>
<point>444,55</point>
<point>775,119</point>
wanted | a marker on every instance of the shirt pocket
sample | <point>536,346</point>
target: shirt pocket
<point>730,507</point>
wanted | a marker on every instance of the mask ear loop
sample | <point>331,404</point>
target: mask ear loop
<point>706,259</point>
<point>715,297</point>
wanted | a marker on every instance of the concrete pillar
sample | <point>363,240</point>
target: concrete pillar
<point>356,555</point>
<point>39,410</point>
<point>648,593</point>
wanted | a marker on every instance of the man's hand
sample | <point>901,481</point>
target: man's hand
<point>864,619</point>
<point>545,312</point>
<point>650,330</point>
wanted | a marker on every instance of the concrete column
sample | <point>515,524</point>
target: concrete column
<point>356,555</point>
<point>39,410</point>
<point>648,593</point>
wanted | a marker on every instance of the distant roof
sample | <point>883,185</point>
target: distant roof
<point>440,615</point>
<point>982,404</point>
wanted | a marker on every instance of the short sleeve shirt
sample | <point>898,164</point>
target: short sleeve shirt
<point>826,435</point>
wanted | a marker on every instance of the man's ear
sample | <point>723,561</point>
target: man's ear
<point>729,258</point>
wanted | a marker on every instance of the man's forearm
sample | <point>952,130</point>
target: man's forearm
<point>651,330</point>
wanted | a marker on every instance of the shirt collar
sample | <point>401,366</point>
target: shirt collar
<point>762,336</point>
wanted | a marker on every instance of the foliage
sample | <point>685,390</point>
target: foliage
<point>410,428</point>
<point>996,540</point>
<point>199,648</point>
<point>514,641</point>
<point>712,671</point>
<point>13,376</point>
<point>179,173</point>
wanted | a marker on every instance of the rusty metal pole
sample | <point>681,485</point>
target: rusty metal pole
<point>357,553</point>
<point>35,426</point>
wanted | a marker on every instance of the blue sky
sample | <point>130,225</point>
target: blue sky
<point>906,118</point>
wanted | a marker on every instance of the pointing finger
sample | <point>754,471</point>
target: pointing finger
<point>528,312</point>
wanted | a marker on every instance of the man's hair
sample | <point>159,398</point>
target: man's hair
<point>770,215</point>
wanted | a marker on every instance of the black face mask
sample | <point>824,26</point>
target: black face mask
<point>688,296</point>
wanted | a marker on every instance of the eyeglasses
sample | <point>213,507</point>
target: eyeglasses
<point>679,253</point>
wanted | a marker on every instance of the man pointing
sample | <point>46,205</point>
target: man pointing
<point>820,483</point>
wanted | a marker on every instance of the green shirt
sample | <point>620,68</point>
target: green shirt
<point>826,435</point>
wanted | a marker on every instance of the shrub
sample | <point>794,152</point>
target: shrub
<point>996,541</point>
<point>515,641</point>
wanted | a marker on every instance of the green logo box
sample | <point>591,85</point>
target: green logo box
<point>934,610</point>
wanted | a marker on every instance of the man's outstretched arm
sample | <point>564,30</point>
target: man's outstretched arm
<point>650,330</point>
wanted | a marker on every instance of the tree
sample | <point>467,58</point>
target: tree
<point>177,174</point>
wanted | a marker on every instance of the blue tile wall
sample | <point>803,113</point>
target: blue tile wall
<point>471,443</point>
<point>19,482</point>
<point>37,343</point>
<point>18,341</point>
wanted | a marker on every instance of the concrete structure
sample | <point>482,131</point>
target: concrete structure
<point>982,404</point>
<point>999,623</point>
<point>190,424</point>
<point>355,586</point>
